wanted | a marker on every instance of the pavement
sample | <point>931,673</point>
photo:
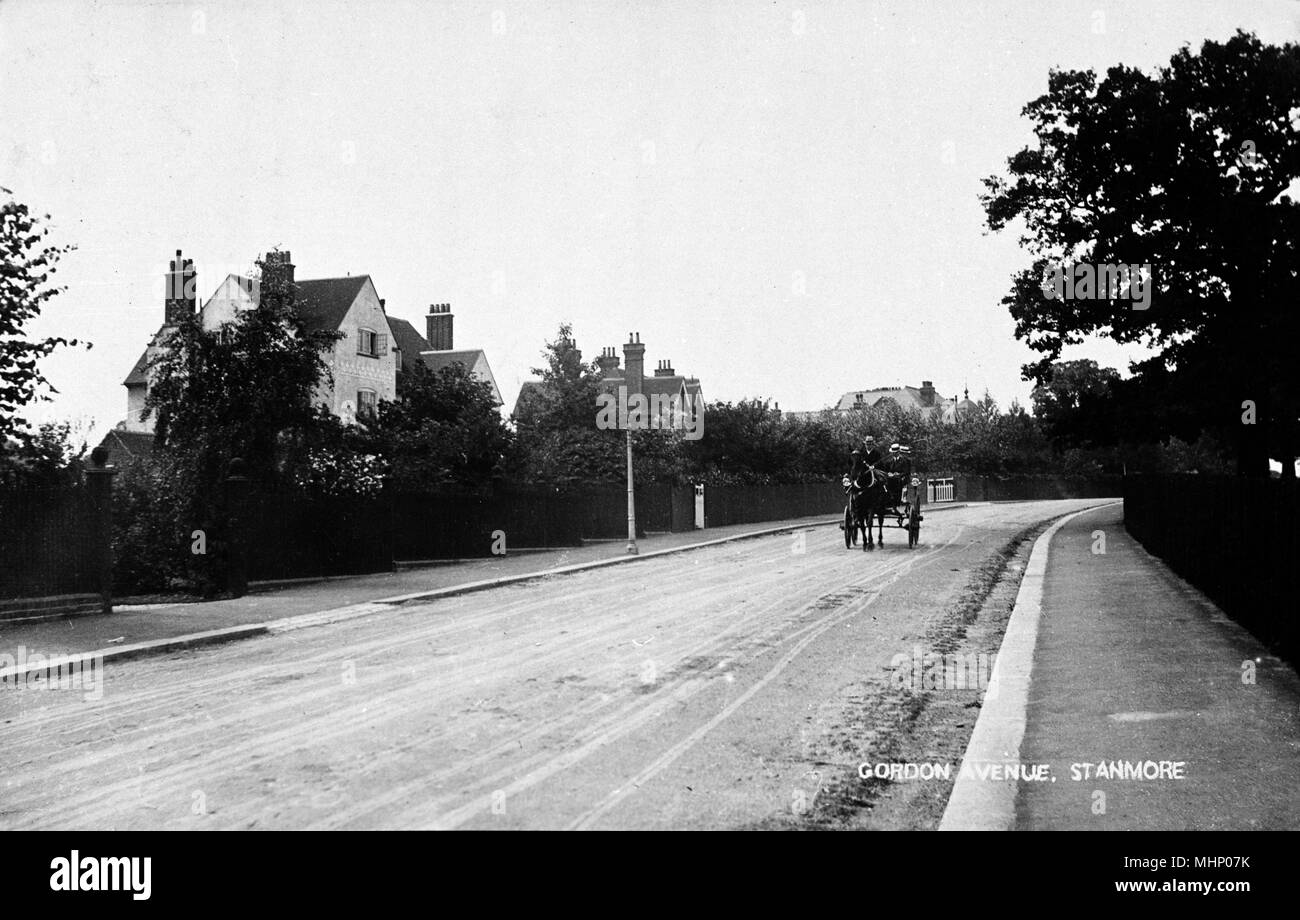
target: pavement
<point>1151,709</point>
<point>133,631</point>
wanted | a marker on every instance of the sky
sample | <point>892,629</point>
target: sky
<point>780,198</point>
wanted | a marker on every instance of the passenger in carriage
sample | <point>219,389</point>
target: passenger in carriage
<point>898,466</point>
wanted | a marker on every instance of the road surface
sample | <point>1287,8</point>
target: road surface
<point>709,689</point>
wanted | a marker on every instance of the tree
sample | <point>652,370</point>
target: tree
<point>246,389</point>
<point>1184,171</point>
<point>1075,403</point>
<point>27,265</point>
<point>443,429</point>
<point>47,457</point>
<point>557,440</point>
<point>745,442</point>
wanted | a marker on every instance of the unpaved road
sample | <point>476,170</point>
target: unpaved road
<point>710,689</point>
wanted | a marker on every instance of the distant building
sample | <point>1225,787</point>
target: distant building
<point>363,362</point>
<point>924,399</point>
<point>664,382</point>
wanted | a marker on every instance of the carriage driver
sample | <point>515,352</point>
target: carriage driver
<point>869,455</point>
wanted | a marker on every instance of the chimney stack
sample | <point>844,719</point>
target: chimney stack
<point>277,276</point>
<point>179,298</point>
<point>927,393</point>
<point>634,360</point>
<point>438,326</point>
<point>665,369</point>
<point>608,362</point>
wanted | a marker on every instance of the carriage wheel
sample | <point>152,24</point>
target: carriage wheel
<point>849,533</point>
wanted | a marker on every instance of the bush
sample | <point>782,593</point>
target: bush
<point>151,549</point>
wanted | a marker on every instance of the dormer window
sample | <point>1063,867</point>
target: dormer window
<point>371,344</point>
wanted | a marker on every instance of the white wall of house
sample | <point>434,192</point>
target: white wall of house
<point>355,372</point>
<point>230,297</point>
<point>137,394</point>
<point>135,397</point>
<point>484,373</point>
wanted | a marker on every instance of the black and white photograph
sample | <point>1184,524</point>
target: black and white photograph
<point>556,415</point>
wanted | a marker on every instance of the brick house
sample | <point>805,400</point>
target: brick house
<point>363,362</point>
<point>664,383</point>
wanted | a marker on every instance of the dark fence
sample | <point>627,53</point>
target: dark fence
<point>48,542</point>
<point>1236,539</point>
<point>288,535</point>
<point>660,508</point>
<point>50,545</point>
<point>725,505</point>
<point>442,526</point>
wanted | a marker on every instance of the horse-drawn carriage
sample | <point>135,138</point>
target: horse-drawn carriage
<point>880,493</point>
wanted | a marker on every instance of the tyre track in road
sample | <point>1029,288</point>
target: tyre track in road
<point>812,634</point>
<point>614,725</point>
<point>800,637</point>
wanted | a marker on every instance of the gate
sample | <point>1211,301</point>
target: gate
<point>939,490</point>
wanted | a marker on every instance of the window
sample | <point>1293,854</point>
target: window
<point>371,344</point>
<point>366,403</point>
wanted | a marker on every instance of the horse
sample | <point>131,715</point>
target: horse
<point>871,497</point>
<point>852,514</point>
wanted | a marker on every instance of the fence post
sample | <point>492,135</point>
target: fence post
<point>99,481</point>
<point>237,485</point>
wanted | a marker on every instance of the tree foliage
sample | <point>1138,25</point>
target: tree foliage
<point>245,389</point>
<point>557,441</point>
<point>27,266</point>
<point>443,429</point>
<point>1076,403</point>
<point>1185,170</point>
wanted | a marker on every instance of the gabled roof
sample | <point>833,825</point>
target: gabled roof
<point>470,357</point>
<point>139,376</point>
<point>122,444</point>
<point>529,390</point>
<point>650,386</point>
<point>437,360</point>
<point>323,303</point>
<point>906,397</point>
<point>410,342</point>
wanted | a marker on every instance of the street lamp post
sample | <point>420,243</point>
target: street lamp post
<point>631,501</point>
